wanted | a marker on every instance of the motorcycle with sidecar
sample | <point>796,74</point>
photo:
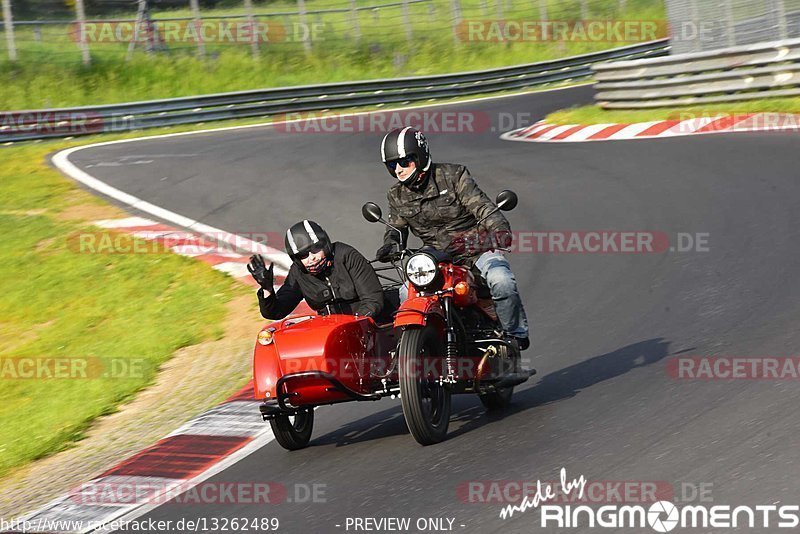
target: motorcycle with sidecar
<point>444,339</point>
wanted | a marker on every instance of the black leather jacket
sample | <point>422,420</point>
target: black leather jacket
<point>350,286</point>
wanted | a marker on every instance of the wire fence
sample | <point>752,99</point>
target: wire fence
<point>57,30</point>
<point>699,25</point>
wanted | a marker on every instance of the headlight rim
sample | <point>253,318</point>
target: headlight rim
<point>437,277</point>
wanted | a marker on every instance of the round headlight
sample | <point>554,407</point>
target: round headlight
<point>265,337</point>
<point>421,270</point>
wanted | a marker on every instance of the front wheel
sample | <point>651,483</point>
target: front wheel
<point>426,403</point>
<point>293,432</point>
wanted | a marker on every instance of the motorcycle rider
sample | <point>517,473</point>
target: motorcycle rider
<point>332,277</point>
<point>441,204</point>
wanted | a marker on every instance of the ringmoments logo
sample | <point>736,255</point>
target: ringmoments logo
<point>661,516</point>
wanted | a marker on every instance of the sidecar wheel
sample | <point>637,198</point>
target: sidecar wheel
<point>426,404</point>
<point>293,434</point>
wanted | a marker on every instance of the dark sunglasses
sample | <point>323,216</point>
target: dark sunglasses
<point>403,162</point>
<point>306,253</point>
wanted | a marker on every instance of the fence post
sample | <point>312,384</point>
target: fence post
<point>84,46</point>
<point>694,16</point>
<point>780,10</point>
<point>499,6</point>
<point>9,27</point>
<point>137,28</point>
<point>301,7</point>
<point>456,8</point>
<point>731,26</point>
<point>254,35</point>
<point>543,18</point>
<point>584,10</point>
<point>407,21</point>
<point>354,22</point>
<point>198,30</point>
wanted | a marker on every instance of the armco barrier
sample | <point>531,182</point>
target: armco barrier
<point>63,122</point>
<point>728,75</point>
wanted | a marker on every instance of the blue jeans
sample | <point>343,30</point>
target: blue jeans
<point>495,269</point>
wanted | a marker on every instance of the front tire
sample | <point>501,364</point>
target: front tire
<point>293,434</point>
<point>426,404</point>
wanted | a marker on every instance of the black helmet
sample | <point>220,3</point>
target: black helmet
<point>406,142</point>
<point>304,237</point>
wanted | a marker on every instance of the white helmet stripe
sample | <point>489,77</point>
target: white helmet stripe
<point>311,234</point>
<point>401,142</point>
<point>291,241</point>
<point>383,147</point>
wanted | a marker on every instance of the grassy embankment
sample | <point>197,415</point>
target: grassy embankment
<point>122,315</point>
<point>49,72</point>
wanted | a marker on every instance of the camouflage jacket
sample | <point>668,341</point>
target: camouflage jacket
<point>445,211</point>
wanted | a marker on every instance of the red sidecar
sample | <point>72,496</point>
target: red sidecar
<point>307,361</point>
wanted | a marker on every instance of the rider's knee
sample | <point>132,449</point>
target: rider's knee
<point>501,283</point>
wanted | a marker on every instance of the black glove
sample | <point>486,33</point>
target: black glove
<point>261,273</point>
<point>386,252</point>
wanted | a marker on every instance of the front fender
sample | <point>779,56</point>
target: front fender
<point>418,311</point>
<point>266,370</point>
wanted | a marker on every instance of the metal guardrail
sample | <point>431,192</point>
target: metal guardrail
<point>64,122</point>
<point>733,74</point>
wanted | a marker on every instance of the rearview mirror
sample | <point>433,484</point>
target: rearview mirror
<point>371,212</point>
<point>506,200</point>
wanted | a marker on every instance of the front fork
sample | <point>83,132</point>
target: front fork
<point>451,345</point>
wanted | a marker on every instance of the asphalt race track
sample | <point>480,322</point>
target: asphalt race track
<point>605,326</point>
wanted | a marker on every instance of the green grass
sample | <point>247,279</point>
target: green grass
<point>57,303</point>
<point>597,115</point>
<point>49,73</point>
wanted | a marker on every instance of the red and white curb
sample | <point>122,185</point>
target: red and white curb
<point>544,132</point>
<point>215,252</point>
<point>201,448</point>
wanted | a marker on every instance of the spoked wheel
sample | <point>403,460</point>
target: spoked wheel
<point>426,404</point>
<point>293,431</point>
